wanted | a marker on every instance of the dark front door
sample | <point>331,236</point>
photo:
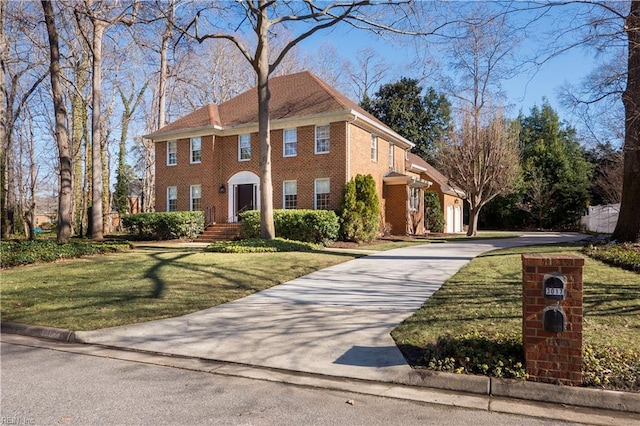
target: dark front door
<point>244,198</point>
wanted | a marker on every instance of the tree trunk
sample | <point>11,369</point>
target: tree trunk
<point>267,228</point>
<point>3,123</point>
<point>474,212</point>
<point>628,226</point>
<point>162,85</point>
<point>62,135</point>
<point>97,227</point>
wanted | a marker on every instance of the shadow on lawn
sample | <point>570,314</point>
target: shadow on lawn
<point>612,299</point>
<point>153,275</point>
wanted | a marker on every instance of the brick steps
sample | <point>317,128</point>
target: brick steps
<point>220,232</point>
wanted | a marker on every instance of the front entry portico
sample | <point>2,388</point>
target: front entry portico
<point>244,194</point>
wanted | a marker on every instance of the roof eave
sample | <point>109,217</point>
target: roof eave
<point>395,137</point>
<point>186,132</point>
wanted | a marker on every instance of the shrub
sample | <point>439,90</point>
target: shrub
<point>16,253</point>
<point>626,256</point>
<point>611,368</point>
<point>359,210</point>
<point>311,226</point>
<point>165,225</point>
<point>256,245</point>
<point>433,216</point>
<point>475,353</point>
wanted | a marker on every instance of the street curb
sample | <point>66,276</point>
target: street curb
<point>51,333</point>
<point>570,395</point>
<point>628,402</point>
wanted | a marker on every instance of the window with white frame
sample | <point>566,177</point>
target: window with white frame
<point>391,156</point>
<point>196,198</point>
<point>172,153</point>
<point>322,190</point>
<point>374,148</point>
<point>414,200</point>
<point>196,150</point>
<point>172,198</point>
<point>244,147</point>
<point>290,198</point>
<point>290,142</point>
<point>322,139</point>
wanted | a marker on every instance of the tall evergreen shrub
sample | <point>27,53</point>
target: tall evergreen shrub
<point>433,215</point>
<point>359,210</point>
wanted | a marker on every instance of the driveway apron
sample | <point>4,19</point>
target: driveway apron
<point>335,321</point>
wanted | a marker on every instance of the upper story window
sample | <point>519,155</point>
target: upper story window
<point>290,192</point>
<point>244,147</point>
<point>196,150</point>
<point>322,191</point>
<point>172,198</point>
<point>374,148</point>
<point>391,155</point>
<point>196,197</point>
<point>172,153</point>
<point>290,142</point>
<point>322,139</point>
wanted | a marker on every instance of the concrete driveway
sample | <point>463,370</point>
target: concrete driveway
<point>335,321</point>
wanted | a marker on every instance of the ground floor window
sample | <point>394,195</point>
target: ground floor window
<point>322,190</point>
<point>290,189</point>
<point>196,198</point>
<point>414,198</point>
<point>172,199</point>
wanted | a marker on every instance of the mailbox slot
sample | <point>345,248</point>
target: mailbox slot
<point>554,319</point>
<point>554,286</point>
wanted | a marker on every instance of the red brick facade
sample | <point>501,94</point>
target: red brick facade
<point>552,357</point>
<point>301,102</point>
<point>220,162</point>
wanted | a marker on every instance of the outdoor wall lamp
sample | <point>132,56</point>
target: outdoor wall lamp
<point>222,188</point>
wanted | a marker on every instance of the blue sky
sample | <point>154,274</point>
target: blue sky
<point>523,91</point>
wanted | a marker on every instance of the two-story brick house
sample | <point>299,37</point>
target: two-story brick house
<point>209,160</point>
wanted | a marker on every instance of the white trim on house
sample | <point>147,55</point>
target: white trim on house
<point>192,189</point>
<point>173,143</point>
<point>191,150</point>
<point>348,115</point>
<point>241,178</point>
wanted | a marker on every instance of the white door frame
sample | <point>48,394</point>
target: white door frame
<point>241,178</point>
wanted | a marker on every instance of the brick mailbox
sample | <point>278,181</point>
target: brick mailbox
<point>552,318</point>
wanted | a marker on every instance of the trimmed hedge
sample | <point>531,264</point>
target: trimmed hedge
<point>256,245</point>
<point>16,253</point>
<point>165,225</point>
<point>310,226</point>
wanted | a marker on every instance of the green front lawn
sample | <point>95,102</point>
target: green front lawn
<point>145,284</point>
<point>480,309</point>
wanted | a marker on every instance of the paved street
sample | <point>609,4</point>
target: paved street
<point>45,386</point>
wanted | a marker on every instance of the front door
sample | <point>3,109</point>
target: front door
<point>244,198</point>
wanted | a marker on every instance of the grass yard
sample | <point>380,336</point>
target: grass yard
<point>145,284</point>
<point>483,303</point>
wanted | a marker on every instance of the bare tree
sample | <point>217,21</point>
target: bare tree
<point>263,18</point>
<point>483,161</point>
<point>367,72</point>
<point>21,73</point>
<point>609,179</point>
<point>101,17</point>
<point>62,135</point>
